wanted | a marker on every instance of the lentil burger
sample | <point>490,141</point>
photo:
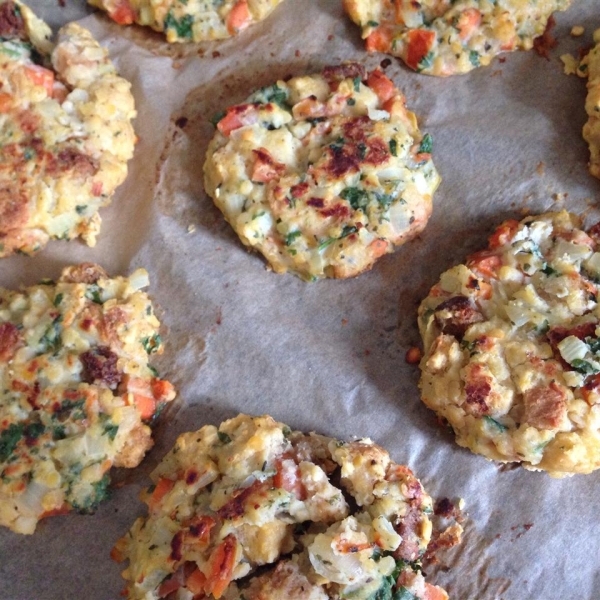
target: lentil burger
<point>76,390</point>
<point>252,493</point>
<point>438,37</point>
<point>193,21</point>
<point>590,68</point>
<point>65,132</point>
<point>323,174</point>
<point>512,346</point>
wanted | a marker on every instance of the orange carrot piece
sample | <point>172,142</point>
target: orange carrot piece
<point>229,122</point>
<point>145,404</point>
<point>381,85</point>
<point>468,21</point>
<point>485,264</point>
<point>195,582</point>
<point>222,562</point>
<point>379,40</point>
<point>378,248</point>
<point>239,17</point>
<point>123,13</point>
<point>420,42</point>
<point>41,76</point>
<point>163,487</point>
<point>432,592</point>
<point>5,102</point>
<point>504,233</point>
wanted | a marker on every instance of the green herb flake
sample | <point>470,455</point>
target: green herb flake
<point>426,62</point>
<point>9,438</point>
<point>218,117</point>
<point>81,208</point>
<point>291,236</point>
<point>426,146</point>
<point>93,293</point>
<point>583,366</point>
<point>474,58</point>
<point>182,27</point>
<point>358,199</point>
<point>351,102</point>
<point>223,437</point>
<point>495,424</point>
<point>58,299</point>
<point>356,82</point>
<point>152,344</point>
<point>393,144</point>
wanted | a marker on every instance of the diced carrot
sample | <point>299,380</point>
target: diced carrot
<point>379,40</point>
<point>485,264</point>
<point>378,248</point>
<point>163,487</point>
<point>122,13</point>
<point>117,554</point>
<point>485,290</point>
<point>221,564</point>
<point>40,76</point>
<point>239,17</point>
<point>195,582</point>
<point>162,390</point>
<point>413,356</point>
<point>145,404</point>
<point>381,85</point>
<point>504,233</point>
<point>97,188</point>
<point>265,168</point>
<point>5,102</point>
<point>347,547</point>
<point>169,586</point>
<point>432,592</point>
<point>420,42</point>
<point>288,478</point>
<point>468,21</point>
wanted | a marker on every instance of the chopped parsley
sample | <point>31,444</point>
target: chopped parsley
<point>152,344</point>
<point>426,144</point>
<point>358,199</point>
<point>426,62</point>
<point>218,117</point>
<point>272,93</point>
<point>583,366</point>
<point>346,231</point>
<point>291,236</point>
<point>183,27</point>
<point>80,208</point>
<point>474,58</point>
<point>93,293</point>
<point>223,437</point>
<point>51,341</point>
<point>100,492</point>
<point>110,429</point>
<point>495,424</point>
<point>9,438</point>
<point>393,144</point>
<point>58,299</point>
<point>356,82</point>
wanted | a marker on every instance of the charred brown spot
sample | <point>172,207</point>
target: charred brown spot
<point>340,211</point>
<point>9,341</point>
<point>350,70</point>
<point>545,42</point>
<point>235,507</point>
<point>84,273</point>
<point>407,528</point>
<point>191,476</point>
<point>100,366</point>
<point>545,406</point>
<point>443,508</point>
<point>558,334</point>
<point>316,202</point>
<point>477,393</point>
<point>299,190</point>
<point>71,159</point>
<point>11,21</point>
<point>176,545</point>
<point>456,315</point>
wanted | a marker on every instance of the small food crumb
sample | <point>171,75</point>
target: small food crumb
<point>413,356</point>
<point>344,322</point>
<point>540,168</point>
<point>577,30</point>
<point>191,228</point>
<point>216,54</point>
<point>570,64</point>
<point>297,53</point>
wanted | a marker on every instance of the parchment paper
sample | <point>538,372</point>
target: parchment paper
<point>327,356</point>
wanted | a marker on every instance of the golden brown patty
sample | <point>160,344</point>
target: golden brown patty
<point>350,522</point>
<point>76,390</point>
<point>323,174</point>
<point>193,21</point>
<point>65,132</point>
<point>439,37</point>
<point>512,346</point>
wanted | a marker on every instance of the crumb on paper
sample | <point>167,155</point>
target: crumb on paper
<point>577,30</point>
<point>570,64</point>
<point>540,168</point>
<point>413,355</point>
<point>344,322</point>
<point>191,228</point>
<point>496,73</point>
<point>297,54</point>
<point>385,63</point>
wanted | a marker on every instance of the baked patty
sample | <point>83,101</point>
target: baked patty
<point>65,132</point>
<point>441,37</point>
<point>512,343</point>
<point>76,390</point>
<point>194,21</point>
<point>252,510</point>
<point>323,174</point>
